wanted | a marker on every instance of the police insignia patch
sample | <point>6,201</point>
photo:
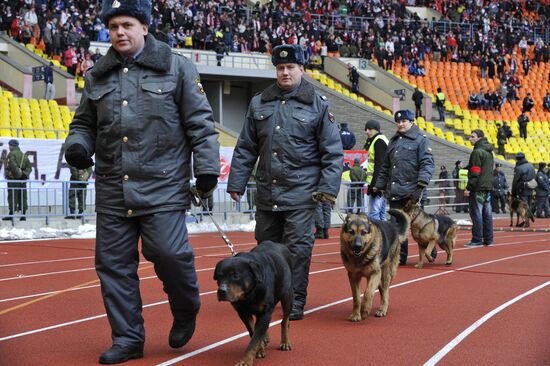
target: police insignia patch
<point>330,117</point>
<point>200,88</point>
<point>115,4</point>
<point>283,54</point>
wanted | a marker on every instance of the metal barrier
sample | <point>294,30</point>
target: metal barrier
<point>50,199</point>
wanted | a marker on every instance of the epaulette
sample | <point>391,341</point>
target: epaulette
<point>323,97</point>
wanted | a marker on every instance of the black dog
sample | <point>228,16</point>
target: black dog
<point>254,283</point>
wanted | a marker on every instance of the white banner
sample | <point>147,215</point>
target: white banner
<point>48,161</point>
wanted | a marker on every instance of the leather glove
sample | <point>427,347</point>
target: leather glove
<point>418,191</point>
<point>77,156</point>
<point>206,184</point>
<point>323,197</point>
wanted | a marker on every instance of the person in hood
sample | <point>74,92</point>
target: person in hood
<point>480,185</point>
<point>347,137</point>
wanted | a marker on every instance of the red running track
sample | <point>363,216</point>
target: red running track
<point>489,308</point>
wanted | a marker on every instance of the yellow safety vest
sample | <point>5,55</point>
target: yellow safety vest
<point>462,179</point>
<point>370,165</point>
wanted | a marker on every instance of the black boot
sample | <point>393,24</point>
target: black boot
<point>319,233</point>
<point>297,312</point>
<point>71,216</point>
<point>119,354</point>
<point>9,217</point>
<point>181,332</point>
<point>325,233</point>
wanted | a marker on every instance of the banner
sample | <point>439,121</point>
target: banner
<point>49,165</point>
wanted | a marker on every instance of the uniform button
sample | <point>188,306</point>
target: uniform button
<point>274,206</point>
<point>394,167</point>
<point>274,153</point>
<point>125,139</point>
<point>130,212</point>
<point>125,70</point>
<point>261,116</point>
<point>278,127</point>
<point>125,103</point>
<point>283,102</point>
<point>159,90</point>
<point>274,181</point>
<point>126,177</point>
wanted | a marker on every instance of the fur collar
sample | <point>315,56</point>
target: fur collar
<point>305,93</point>
<point>155,55</point>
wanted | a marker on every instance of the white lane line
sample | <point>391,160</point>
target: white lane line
<point>39,330</point>
<point>478,323</point>
<point>241,335</point>
<point>47,261</point>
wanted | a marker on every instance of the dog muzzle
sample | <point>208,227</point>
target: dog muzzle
<point>222,293</point>
<point>357,245</point>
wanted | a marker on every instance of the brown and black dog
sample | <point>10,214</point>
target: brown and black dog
<point>428,230</point>
<point>521,208</point>
<point>254,283</point>
<point>370,249</point>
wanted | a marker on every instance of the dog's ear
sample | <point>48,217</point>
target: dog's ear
<point>256,270</point>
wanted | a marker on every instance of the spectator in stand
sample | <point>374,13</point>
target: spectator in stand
<point>86,64</point>
<point>523,120</point>
<point>473,102</point>
<point>526,63</point>
<point>546,102</point>
<point>71,60</point>
<point>528,103</point>
<point>417,98</point>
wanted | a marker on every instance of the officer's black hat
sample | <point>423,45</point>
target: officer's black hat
<point>288,54</point>
<point>542,165</point>
<point>13,142</point>
<point>520,156</point>
<point>457,163</point>
<point>139,9</point>
<point>404,114</point>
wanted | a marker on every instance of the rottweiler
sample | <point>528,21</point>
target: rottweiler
<point>370,248</point>
<point>428,230</point>
<point>521,208</point>
<point>254,282</point>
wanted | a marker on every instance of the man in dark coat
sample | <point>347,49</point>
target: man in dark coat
<point>480,185</point>
<point>18,170</point>
<point>500,186</point>
<point>502,139</point>
<point>407,168</point>
<point>523,173</point>
<point>145,115</point>
<point>347,137</point>
<point>523,120</point>
<point>542,192</point>
<point>77,191</point>
<point>417,98</point>
<point>288,126</point>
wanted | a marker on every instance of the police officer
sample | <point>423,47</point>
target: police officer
<point>500,186</point>
<point>407,168</point>
<point>289,128</point>
<point>18,170</point>
<point>143,112</point>
<point>542,192</point>
<point>523,173</point>
<point>77,191</point>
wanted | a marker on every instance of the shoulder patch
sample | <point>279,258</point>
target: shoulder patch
<point>199,86</point>
<point>331,117</point>
<point>323,97</point>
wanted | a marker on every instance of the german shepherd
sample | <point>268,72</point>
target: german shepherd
<point>254,283</point>
<point>428,230</point>
<point>521,208</point>
<point>371,249</point>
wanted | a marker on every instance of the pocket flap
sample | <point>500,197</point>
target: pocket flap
<point>262,115</point>
<point>159,87</point>
<point>99,91</point>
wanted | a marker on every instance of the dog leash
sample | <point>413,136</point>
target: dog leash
<point>197,201</point>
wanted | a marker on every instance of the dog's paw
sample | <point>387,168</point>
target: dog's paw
<point>381,313</point>
<point>285,347</point>
<point>243,363</point>
<point>354,317</point>
<point>265,341</point>
<point>419,265</point>
<point>261,353</point>
<point>430,258</point>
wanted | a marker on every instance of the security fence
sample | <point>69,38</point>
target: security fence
<point>47,200</point>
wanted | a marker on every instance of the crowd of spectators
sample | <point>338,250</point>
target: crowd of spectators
<point>385,32</point>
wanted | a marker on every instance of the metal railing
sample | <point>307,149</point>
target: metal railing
<point>50,199</point>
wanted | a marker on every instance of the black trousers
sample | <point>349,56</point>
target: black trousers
<point>295,229</point>
<point>164,243</point>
